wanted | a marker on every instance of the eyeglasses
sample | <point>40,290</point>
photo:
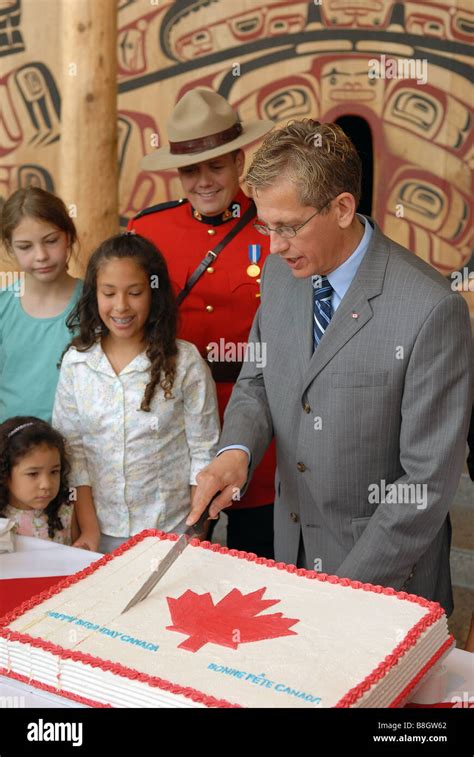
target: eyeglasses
<point>287,232</point>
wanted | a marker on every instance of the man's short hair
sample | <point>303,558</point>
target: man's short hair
<point>319,158</point>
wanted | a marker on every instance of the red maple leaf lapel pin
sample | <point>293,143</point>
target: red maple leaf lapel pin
<point>232,621</point>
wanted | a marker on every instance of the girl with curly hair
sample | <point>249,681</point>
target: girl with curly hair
<point>34,490</point>
<point>136,405</point>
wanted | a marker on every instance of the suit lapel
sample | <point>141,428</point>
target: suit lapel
<point>367,283</point>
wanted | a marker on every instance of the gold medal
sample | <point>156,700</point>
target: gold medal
<point>253,270</point>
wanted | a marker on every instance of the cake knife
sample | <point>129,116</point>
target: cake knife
<point>171,556</point>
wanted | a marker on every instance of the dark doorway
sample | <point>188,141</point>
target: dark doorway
<point>358,130</point>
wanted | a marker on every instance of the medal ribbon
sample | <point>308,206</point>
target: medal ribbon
<point>254,253</point>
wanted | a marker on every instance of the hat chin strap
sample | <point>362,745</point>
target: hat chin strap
<point>191,146</point>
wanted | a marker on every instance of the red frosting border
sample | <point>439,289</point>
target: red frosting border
<point>402,697</point>
<point>434,612</point>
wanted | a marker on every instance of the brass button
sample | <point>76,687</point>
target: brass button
<point>306,408</point>
<point>211,232</point>
<point>258,294</point>
<point>210,269</point>
<point>294,517</point>
<point>258,281</point>
<point>301,467</point>
<point>209,308</point>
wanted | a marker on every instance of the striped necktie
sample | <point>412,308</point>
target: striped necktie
<point>322,310</point>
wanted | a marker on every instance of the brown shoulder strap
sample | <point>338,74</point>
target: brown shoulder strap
<point>212,255</point>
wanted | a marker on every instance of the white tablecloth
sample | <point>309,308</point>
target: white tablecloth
<point>40,557</point>
<point>454,677</point>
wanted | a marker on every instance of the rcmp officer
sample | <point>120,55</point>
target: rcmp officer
<point>214,256</point>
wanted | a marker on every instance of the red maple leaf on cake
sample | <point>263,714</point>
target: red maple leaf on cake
<point>232,621</point>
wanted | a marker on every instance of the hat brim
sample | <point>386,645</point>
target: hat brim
<point>162,158</point>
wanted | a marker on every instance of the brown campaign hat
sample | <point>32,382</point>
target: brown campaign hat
<point>203,126</point>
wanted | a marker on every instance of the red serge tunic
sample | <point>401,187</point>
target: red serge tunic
<point>220,307</point>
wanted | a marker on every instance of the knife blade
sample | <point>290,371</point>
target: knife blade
<point>170,557</point>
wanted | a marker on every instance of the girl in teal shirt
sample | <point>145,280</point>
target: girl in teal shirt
<point>35,301</point>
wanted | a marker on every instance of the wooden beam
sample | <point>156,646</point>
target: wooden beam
<point>88,166</point>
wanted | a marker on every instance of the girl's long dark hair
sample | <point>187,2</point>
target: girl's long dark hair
<point>161,326</point>
<point>13,448</point>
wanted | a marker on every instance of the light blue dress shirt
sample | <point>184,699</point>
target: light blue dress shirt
<point>341,278</point>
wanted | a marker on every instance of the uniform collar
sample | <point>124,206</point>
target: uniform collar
<point>236,208</point>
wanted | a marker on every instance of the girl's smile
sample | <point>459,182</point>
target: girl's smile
<point>123,323</point>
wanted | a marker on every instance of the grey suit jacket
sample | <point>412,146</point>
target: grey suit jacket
<point>384,400</point>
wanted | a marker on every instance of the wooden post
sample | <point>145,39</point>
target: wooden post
<point>88,167</point>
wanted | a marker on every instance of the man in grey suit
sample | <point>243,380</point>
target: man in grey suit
<point>367,382</point>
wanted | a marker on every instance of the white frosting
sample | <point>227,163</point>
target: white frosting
<point>341,636</point>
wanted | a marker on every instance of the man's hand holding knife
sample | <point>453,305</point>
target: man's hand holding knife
<point>227,473</point>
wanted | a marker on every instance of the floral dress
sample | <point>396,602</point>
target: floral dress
<point>35,523</point>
